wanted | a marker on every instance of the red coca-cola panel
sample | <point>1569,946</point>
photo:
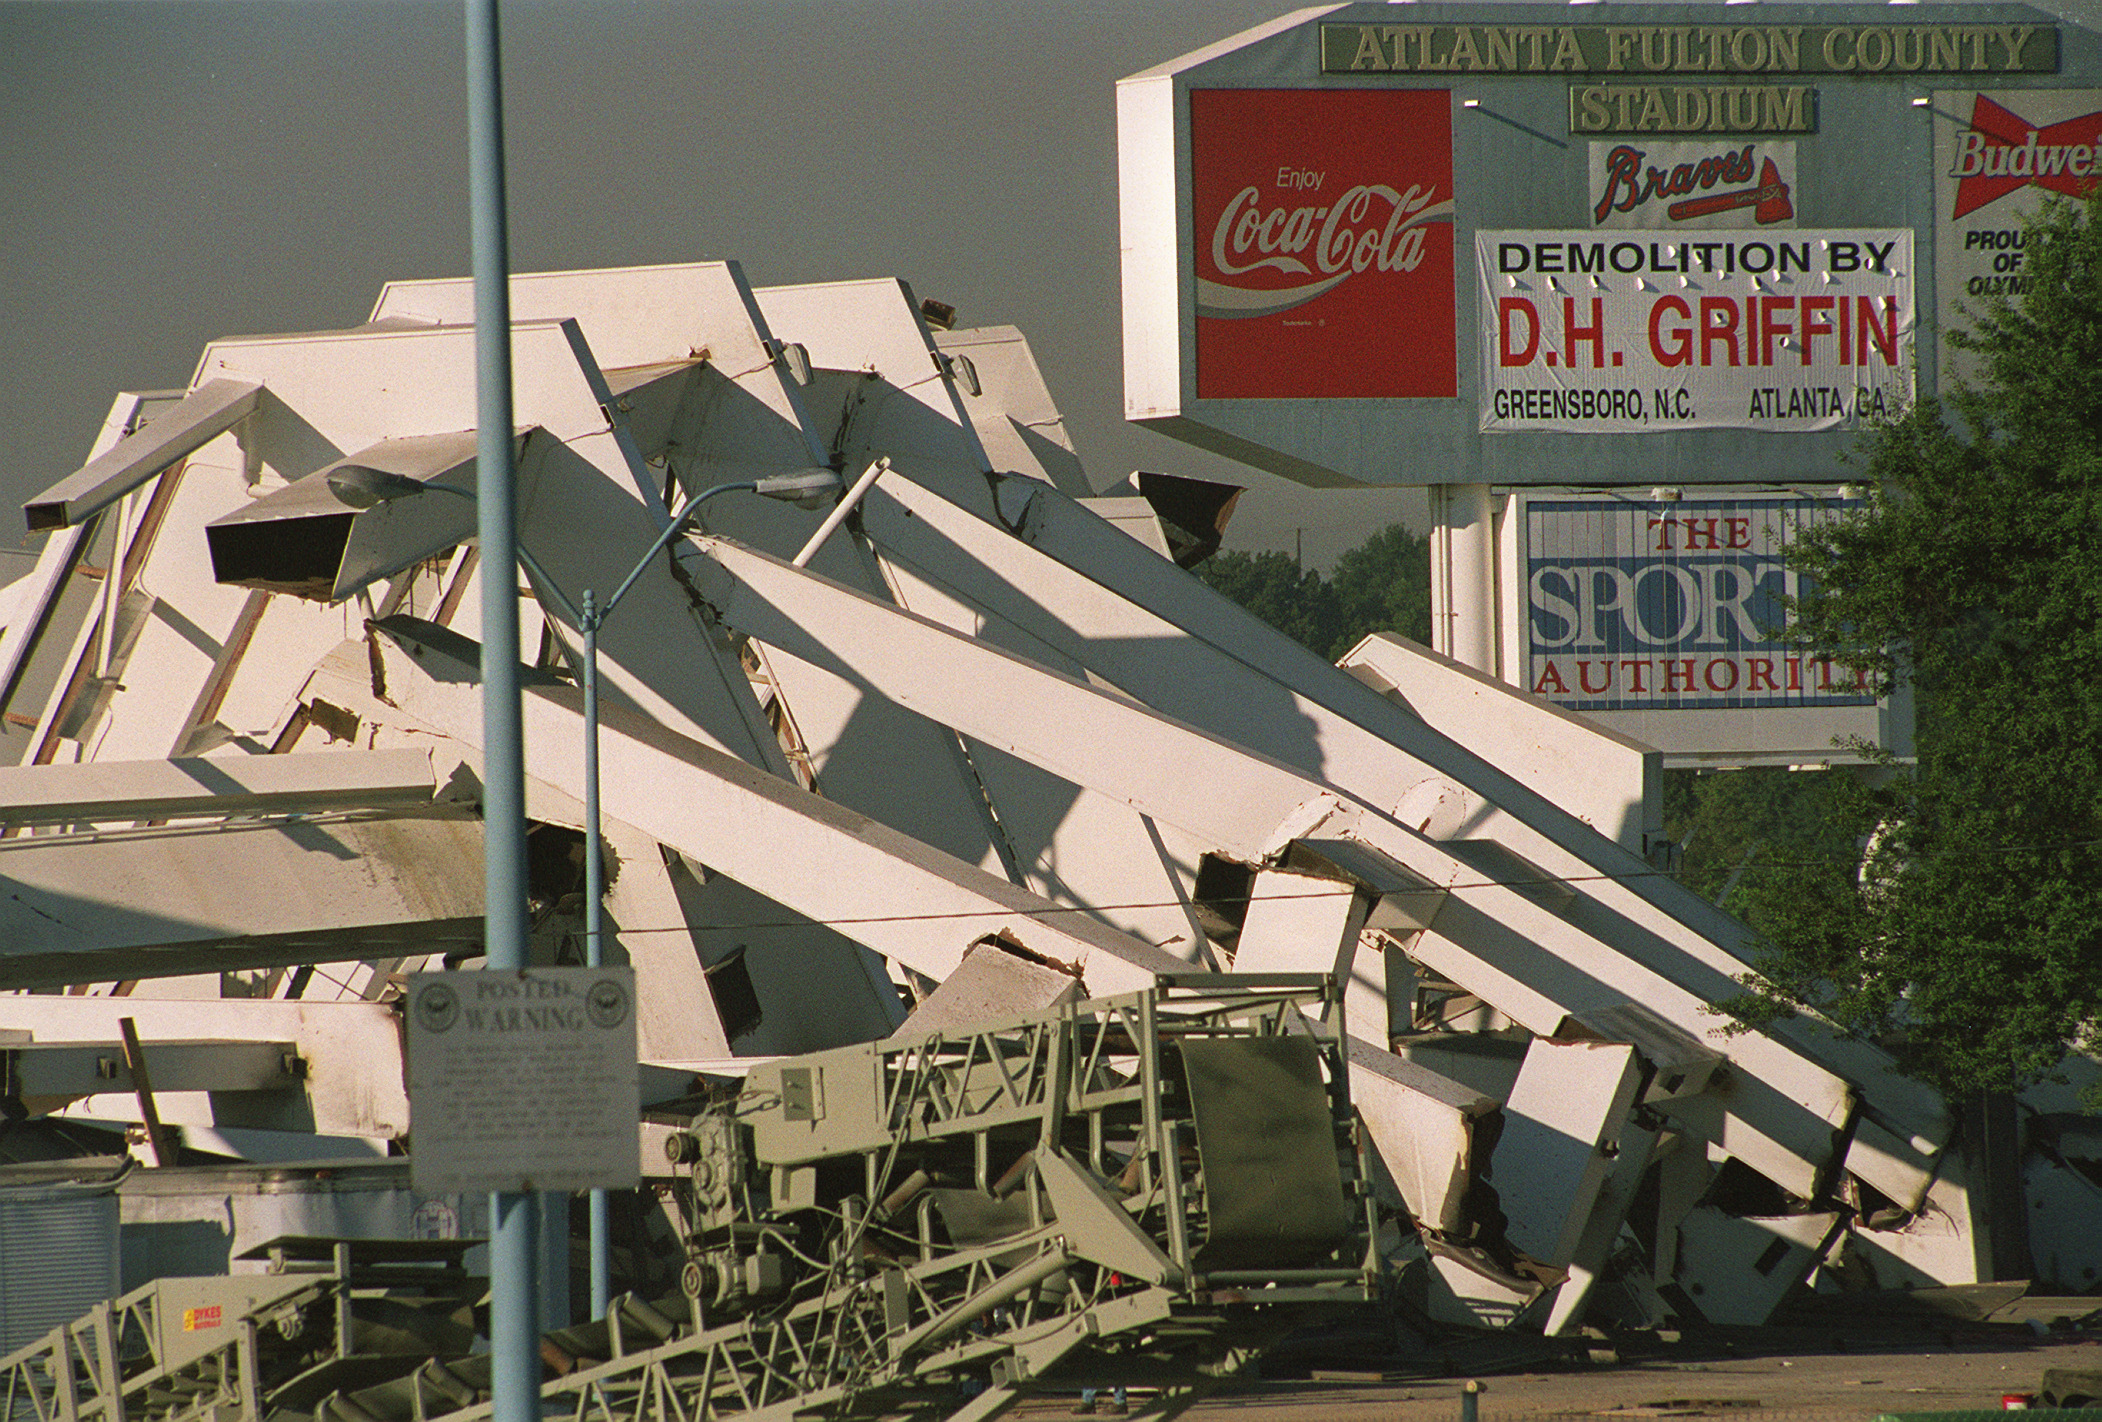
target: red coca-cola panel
<point>1323,239</point>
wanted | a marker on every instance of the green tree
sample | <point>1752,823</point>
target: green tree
<point>1382,585</point>
<point>1970,937</point>
<point>1296,601</point>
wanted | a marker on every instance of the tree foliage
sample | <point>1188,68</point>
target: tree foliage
<point>1382,585</point>
<point>1970,936</point>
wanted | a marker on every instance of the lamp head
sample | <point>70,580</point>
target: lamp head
<point>806,488</point>
<point>361,486</point>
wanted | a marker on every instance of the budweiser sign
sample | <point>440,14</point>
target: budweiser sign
<point>2002,152</point>
<point>1323,243</point>
<point>1998,156</point>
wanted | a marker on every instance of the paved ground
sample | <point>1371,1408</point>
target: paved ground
<point>1837,1370</point>
<point>1831,1387</point>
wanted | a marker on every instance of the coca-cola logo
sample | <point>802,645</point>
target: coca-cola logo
<point>1369,227</point>
<point>1320,240</point>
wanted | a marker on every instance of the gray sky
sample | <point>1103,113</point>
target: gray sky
<point>179,170</point>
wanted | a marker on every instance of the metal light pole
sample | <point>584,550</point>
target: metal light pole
<point>362,487</point>
<point>805,487</point>
<point>514,1223</point>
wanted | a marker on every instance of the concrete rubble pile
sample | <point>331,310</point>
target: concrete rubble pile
<point>979,750</point>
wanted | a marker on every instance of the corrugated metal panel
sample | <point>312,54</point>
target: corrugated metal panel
<point>58,1257</point>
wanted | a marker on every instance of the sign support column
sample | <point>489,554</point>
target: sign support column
<point>1463,575</point>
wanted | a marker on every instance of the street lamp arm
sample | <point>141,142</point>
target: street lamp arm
<point>362,487</point>
<point>671,530</point>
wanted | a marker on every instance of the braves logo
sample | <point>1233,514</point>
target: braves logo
<point>2001,152</point>
<point>1628,187</point>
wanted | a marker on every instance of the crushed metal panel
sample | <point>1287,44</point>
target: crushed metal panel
<point>1947,1242</point>
<point>156,903</point>
<point>1465,1287</point>
<point>202,416</point>
<point>1611,782</point>
<point>1738,1269</point>
<point>990,984</point>
<point>1422,1124</point>
<point>1891,1163</point>
<point>1562,1128</point>
<point>225,785</point>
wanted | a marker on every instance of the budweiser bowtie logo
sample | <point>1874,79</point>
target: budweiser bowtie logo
<point>1323,242</point>
<point>2001,152</point>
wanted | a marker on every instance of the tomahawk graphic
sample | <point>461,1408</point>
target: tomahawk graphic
<point>1769,201</point>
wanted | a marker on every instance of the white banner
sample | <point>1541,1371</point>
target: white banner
<point>1590,333</point>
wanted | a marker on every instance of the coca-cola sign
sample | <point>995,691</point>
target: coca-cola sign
<point>1323,243</point>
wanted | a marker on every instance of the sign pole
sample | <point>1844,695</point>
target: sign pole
<point>1463,575</point>
<point>514,1216</point>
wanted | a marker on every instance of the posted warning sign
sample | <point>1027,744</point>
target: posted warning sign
<point>1586,332</point>
<point>523,1080</point>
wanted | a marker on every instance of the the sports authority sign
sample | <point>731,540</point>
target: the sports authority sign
<point>1323,243</point>
<point>1996,156</point>
<point>525,1080</point>
<point>1652,333</point>
<point>1670,605</point>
